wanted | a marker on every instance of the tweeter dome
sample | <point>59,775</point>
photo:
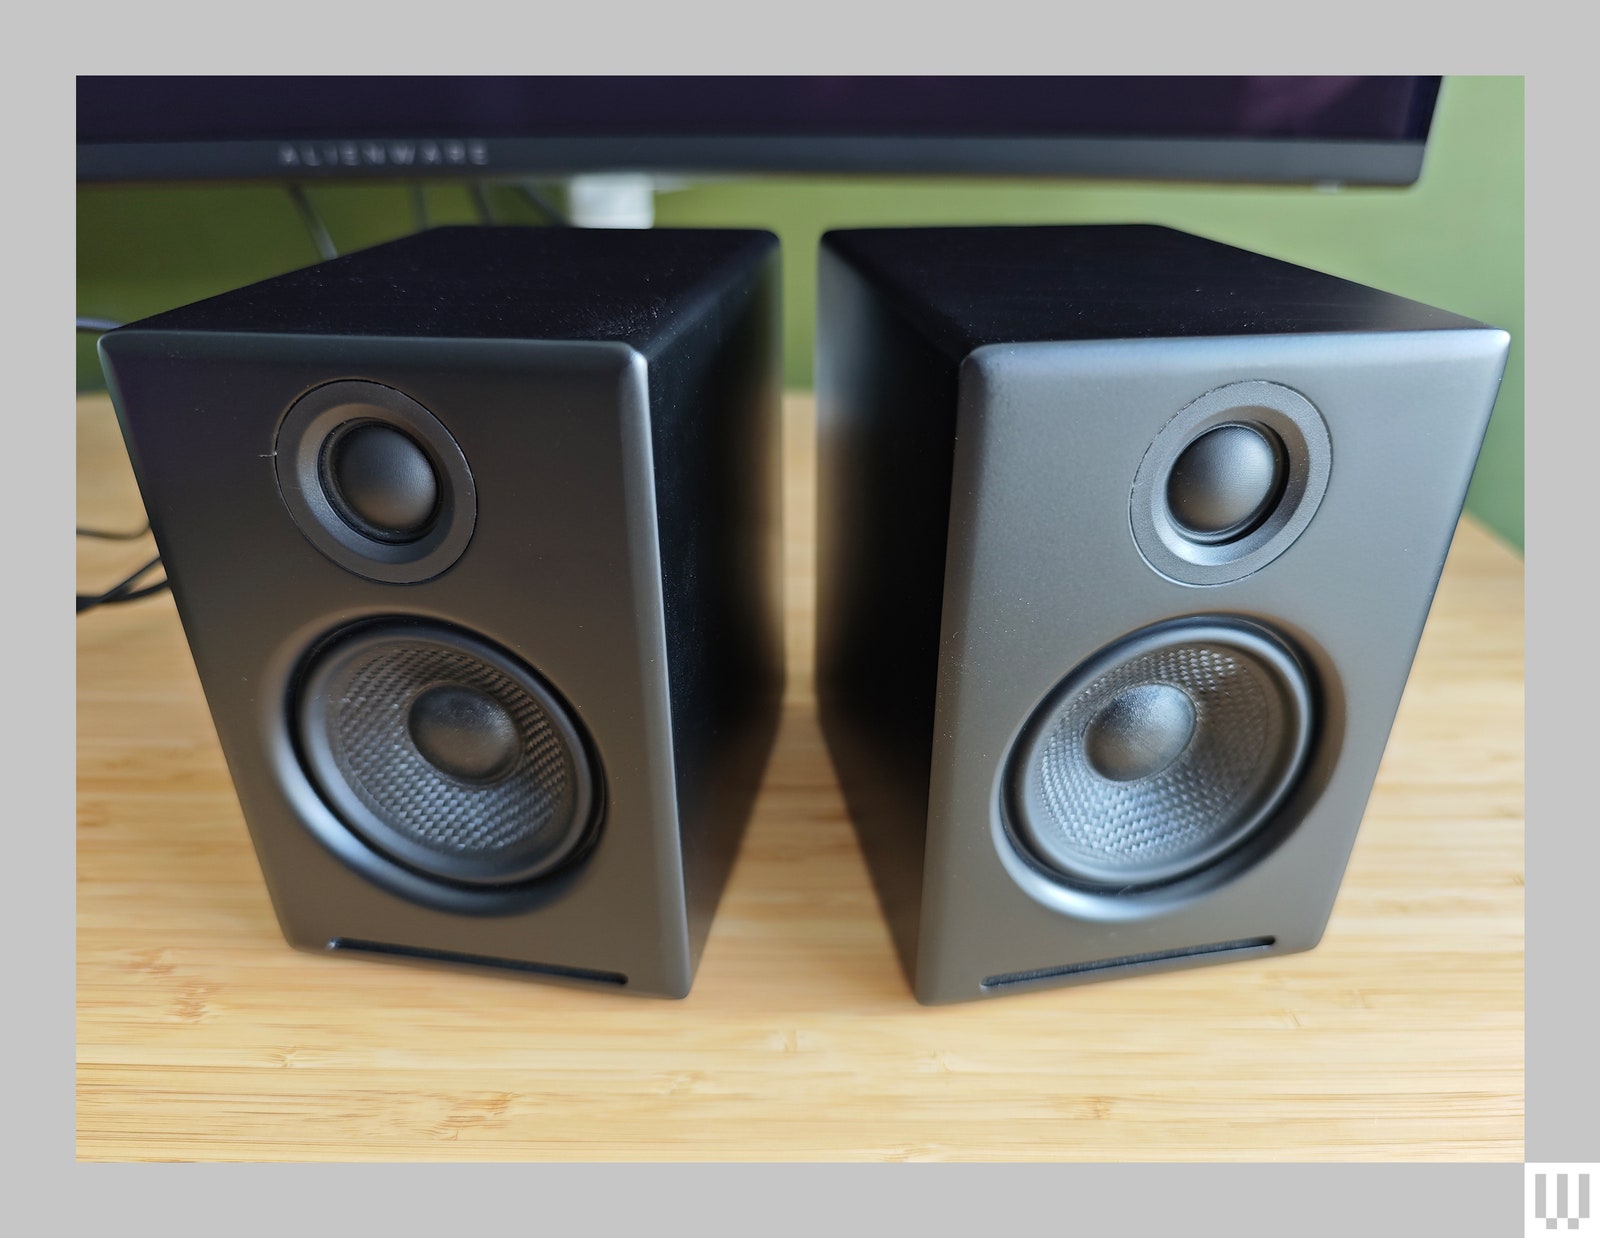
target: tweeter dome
<point>1126,539</point>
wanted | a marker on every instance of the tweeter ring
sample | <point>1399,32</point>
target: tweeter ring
<point>1230,482</point>
<point>375,481</point>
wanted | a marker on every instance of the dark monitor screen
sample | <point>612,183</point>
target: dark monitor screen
<point>1294,129</point>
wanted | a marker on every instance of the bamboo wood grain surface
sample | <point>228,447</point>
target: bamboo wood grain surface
<point>201,1035</point>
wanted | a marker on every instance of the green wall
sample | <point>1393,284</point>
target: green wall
<point>1455,239</point>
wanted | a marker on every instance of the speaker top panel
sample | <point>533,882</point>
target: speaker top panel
<point>968,287</point>
<point>495,283</point>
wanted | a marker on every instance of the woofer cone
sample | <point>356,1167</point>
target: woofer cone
<point>1160,754</point>
<point>445,753</point>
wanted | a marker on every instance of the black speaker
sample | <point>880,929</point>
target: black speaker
<point>1126,541</point>
<point>475,540</point>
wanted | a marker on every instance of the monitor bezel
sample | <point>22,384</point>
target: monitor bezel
<point>1250,160</point>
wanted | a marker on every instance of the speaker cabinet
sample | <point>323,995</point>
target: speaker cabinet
<point>474,538</point>
<point>1126,541</point>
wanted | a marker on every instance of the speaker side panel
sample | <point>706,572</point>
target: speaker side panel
<point>715,404</point>
<point>561,572</point>
<point>885,426</point>
<point>1044,573</point>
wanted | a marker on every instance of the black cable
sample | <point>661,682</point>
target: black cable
<point>125,590</point>
<point>160,586</point>
<point>480,197</point>
<point>116,535</point>
<point>544,206</point>
<point>313,222</point>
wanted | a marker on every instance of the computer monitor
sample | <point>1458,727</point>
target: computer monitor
<point>1357,130</point>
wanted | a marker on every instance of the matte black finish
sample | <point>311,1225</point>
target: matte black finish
<point>886,408</point>
<point>580,285</point>
<point>1000,414</point>
<point>613,400</point>
<point>964,288</point>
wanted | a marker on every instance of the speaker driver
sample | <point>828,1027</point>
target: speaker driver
<point>1230,483</point>
<point>375,481</point>
<point>445,753</point>
<point>1160,754</point>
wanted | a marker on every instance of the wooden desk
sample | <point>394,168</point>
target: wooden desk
<point>201,1035</point>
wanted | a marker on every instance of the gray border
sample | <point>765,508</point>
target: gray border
<point>1561,1082</point>
<point>1242,1201</point>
